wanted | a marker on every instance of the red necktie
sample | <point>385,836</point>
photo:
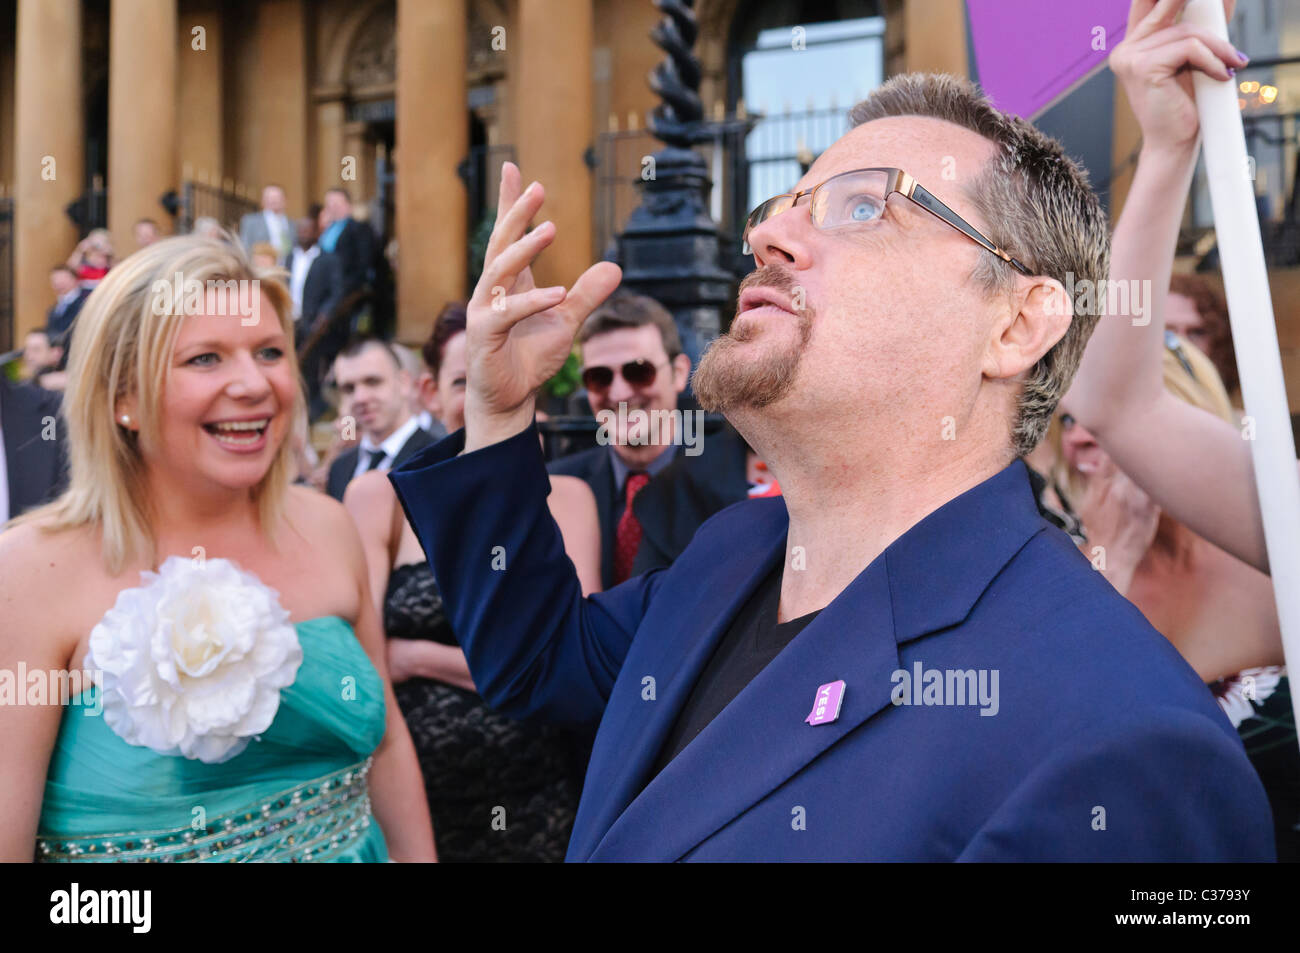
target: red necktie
<point>627,537</point>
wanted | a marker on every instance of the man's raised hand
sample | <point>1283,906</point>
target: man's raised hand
<point>518,335</point>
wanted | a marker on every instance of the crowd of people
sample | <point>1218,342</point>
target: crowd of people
<point>912,476</point>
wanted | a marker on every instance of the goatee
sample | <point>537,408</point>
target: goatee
<point>725,379</point>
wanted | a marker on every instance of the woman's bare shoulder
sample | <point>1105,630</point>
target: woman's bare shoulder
<point>571,488</point>
<point>48,577</point>
<point>322,520</point>
<point>33,550</point>
<point>369,492</point>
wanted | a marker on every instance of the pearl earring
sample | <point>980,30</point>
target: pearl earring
<point>126,420</point>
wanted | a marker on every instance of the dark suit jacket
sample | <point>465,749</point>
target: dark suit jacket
<point>671,506</point>
<point>58,322</point>
<point>341,469</point>
<point>1099,743</point>
<point>355,249</point>
<point>322,290</point>
<point>36,467</point>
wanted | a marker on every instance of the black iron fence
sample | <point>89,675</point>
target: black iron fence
<point>201,200</point>
<point>6,274</point>
<point>750,158</point>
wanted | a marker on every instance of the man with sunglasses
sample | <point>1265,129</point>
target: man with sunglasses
<point>899,659</point>
<point>652,490</point>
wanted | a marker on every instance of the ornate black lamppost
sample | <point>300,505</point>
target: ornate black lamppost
<point>670,249</point>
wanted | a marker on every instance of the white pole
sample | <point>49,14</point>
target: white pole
<point>1254,335</point>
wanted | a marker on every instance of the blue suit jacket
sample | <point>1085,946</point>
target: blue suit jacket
<point>1105,745</point>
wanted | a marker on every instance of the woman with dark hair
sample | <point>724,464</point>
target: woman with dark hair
<point>498,789</point>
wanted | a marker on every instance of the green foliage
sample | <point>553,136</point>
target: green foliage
<point>566,379</point>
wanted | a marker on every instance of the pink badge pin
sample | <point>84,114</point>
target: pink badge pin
<point>826,706</point>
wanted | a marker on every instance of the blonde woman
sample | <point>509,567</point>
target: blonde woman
<point>240,699</point>
<point>1215,609</point>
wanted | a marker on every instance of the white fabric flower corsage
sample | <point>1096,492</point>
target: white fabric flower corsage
<point>193,660</point>
<point>1237,694</point>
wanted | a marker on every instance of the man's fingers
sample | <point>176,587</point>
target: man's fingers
<point>499,276</point>
<point>508,310</point>
<point>595,285</point>
<point>512,224</point>
<point>507,191</point>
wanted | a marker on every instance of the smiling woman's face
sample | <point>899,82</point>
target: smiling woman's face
<point>228,397</point>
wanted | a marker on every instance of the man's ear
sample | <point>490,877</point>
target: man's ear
<point>681,372</point>
<point>427,392</point>
<point>1039,316</point>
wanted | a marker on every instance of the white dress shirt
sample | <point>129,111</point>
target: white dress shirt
<point>391,447</point>
<point>277,228</point>
<point>299,265</point>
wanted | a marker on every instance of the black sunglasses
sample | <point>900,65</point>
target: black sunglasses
<point>638,373</point>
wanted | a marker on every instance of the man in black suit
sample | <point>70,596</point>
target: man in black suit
<point>316,286</point>
<point>661,460</point>
<point>69,297</point>
<point>352,241</point>
<point>33,467</point>
<point>376,394</point>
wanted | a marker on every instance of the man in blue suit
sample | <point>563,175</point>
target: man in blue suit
<point>899,659</point>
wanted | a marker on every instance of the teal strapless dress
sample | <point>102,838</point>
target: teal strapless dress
<point>297,793</point>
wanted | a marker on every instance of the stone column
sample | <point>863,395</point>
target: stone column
<point>551,49</point>
<point>935,37</point>
<point>48,148</point>
<point>200,92</point>
<point>432,139</point>
<point>142,163</point>
<point>282,100</point>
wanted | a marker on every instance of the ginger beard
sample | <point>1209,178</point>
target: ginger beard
<point>734,374</point>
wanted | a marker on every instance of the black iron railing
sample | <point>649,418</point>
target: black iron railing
<point>201,200</point>
<point>749,157</point>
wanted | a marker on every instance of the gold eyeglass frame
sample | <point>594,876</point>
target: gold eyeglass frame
<point>897,181</point>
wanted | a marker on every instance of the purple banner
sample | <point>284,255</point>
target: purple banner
<point>1032,52</point>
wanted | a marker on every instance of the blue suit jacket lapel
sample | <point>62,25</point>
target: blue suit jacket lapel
<point>761,738</point>
<point>928,580</point>
<point>629,741</point>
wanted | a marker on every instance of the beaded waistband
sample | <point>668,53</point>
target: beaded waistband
<point>314,821</point>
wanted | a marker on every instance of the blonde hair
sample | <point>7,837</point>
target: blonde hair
<point>121,347</point>
<point>1202,388</point>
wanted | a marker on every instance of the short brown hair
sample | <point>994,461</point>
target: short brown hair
<point>1034,202</point>
<point>450,322</point>
<point>623,309</point>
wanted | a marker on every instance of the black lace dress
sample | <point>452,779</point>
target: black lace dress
<point>498,789</point>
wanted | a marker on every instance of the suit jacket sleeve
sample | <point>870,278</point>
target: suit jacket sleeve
<point>535,646</point>
<point>1168,787</point>
<point>247,225</point>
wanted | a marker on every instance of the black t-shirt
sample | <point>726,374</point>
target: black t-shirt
<point>753,639</point>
